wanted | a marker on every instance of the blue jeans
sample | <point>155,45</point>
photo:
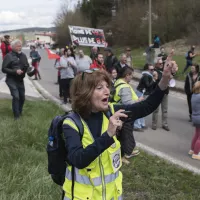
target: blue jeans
<point>17,91</point>
<point>188,64</point>
<point>139,123</point>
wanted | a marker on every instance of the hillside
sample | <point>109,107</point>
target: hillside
<point>32,29</point>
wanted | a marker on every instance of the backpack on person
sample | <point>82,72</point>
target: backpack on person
<point>56,150</point>
<point>113,92</point>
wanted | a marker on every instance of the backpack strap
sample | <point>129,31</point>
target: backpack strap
<point>116,88</point>
<point>119,85</point>
<point>77,120</point>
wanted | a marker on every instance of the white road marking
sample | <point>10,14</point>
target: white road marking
<point>172,160</point>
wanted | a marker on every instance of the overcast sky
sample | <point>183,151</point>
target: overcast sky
<point>16,14</point>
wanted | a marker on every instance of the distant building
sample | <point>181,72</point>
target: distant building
<point>45,37</point>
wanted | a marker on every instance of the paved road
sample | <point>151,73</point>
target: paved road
<point>175,143</point>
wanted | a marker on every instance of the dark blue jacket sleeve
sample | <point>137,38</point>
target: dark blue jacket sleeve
<point>143,108</point>
<point>81,157</point>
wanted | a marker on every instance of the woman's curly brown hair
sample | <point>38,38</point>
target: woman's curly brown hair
<point>82,89</point>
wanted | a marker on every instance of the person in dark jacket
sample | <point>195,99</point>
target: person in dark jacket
<point>156,42</point>
<point>189,58</point>
<point>122,63</point>
<point>162,54</point>
<point>110,59</point>
<point>15,65</point>
<point>145,87</point>
<point>147,81</point>
<point>192,77</point>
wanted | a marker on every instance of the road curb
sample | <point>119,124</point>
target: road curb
<point>50,97</point>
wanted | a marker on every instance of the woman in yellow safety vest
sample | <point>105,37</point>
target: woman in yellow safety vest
<point>124,94</point>
<point>96,156</point>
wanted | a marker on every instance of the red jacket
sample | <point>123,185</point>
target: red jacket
<point>95,64</point>
<point>5,48</point>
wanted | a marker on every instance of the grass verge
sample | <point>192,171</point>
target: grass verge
<point>23,168</point>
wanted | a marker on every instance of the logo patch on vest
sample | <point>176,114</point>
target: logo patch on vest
<point>116,160</point>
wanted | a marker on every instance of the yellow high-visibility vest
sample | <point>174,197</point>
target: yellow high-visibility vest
<point>101,180</point>
<point>123,84</point>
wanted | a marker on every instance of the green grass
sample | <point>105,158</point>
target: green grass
<point>23,158</point>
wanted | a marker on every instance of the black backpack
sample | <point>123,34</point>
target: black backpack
<point>56,150</point>
<point>113,92</point>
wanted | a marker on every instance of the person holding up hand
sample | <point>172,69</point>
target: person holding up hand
<point>67,72</point>
<point>95,157</point>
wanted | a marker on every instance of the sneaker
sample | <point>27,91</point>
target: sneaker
<point>138,129</point>
<point>125,161</point>
<point>191,152</point>
<point>166,128</point>
<point>196,156</point>
<point>134,153</point>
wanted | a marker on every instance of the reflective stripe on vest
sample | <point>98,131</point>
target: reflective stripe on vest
<point>85,180</point>
<point>119,198</point>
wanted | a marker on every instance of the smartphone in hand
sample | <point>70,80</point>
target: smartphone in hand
<point>129,114</point>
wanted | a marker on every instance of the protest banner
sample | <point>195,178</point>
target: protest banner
<point>83,36</point>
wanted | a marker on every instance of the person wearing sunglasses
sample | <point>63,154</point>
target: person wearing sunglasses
<point>96,156</point>
<point>147,81</point>
<point>145,87</point>
<point>164,104</point>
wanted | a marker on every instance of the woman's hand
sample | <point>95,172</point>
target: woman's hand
<point>141,99</point>
<point>170,68</point>
<point>115,122</point>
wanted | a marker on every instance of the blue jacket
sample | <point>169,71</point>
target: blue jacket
<point>35,56</point>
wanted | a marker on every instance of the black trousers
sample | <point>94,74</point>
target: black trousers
<point>65,85</point>
<point>60,87</point>
<point>17,91</point>
<point>126,138</point>
<point>189,97</point>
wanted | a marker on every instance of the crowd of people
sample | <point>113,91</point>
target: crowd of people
<point>73,62</point>
<point>98,89</point>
